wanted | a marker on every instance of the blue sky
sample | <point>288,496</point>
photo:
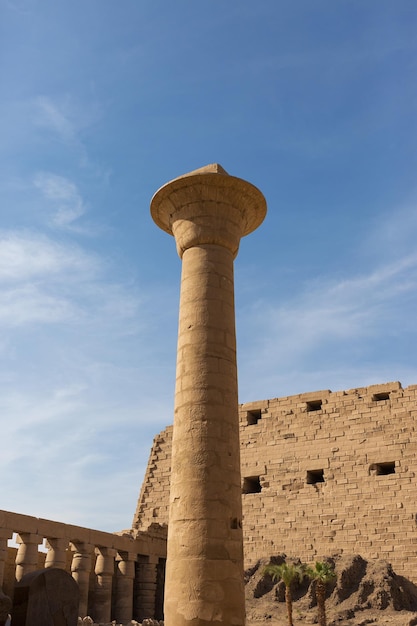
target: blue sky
<point>103,101</point>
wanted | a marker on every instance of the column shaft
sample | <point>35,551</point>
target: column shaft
<point>80,570</point>
<point>205,555</point>
<point>5,535</point>
<point>104,571</point>
<point>27,554</point>
<point>125,575</point>
<point>145,591</point>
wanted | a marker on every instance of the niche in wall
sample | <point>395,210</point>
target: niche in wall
<point>251,484</point>
<point>315,476</point>
<point>253,416</point>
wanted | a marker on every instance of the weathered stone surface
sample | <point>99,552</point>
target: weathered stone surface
<point>47,597</point>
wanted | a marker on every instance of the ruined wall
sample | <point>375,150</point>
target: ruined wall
<point>119,576</point>
<point>322,472</point>
<point>153,502</point>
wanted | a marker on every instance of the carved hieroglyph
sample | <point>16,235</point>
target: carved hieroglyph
<point>207,211</point>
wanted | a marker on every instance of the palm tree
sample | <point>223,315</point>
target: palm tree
<point>322,573</point>
<point>288,573</point>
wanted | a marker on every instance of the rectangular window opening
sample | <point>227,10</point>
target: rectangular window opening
<point>379,397</point>
<point>315,476</point>
<point>314,405</point>
<point>383,469</point>
<point>253,416</point>
<point>251,484</point>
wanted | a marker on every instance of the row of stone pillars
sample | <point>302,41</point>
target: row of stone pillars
<point>124,587</point>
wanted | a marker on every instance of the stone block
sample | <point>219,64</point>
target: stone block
<point>47,597</point>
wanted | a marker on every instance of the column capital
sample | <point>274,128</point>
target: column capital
<point>81,546</point>
<point>104,551</point>
<point>60,543</point>
<point>31,538</point>
<point>124,555</point>
<point>208,206</point>
<point>104,561</point>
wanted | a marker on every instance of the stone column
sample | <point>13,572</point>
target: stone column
<point>5,535</point>
<point>80,570</point>
<point>125,575</point>
<point>57,552</point>
<point>104,571</point>
<point>27,554</point>
<point>146,588</point>
<point>208,212</point>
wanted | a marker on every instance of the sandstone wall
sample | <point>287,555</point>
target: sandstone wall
<point>322,472</point>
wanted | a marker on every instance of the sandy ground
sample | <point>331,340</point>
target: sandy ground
<point>387,617</point>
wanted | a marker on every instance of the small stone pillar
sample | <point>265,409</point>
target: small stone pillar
<point>57,552</point>
<point>146,589</point>
<point>27,554</point>
<point>5,601</point>
<point>104,571</point>
<point>207,211</point>
<point>80,570</point>
<point>125,576</point>
<point>5,535</point>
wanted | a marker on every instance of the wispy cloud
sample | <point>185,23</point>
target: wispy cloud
<point>24,7</point>
<point>64,195</point>
<point>26,255</point>
<point>94,431</point>
<point>63,118</point>
<point>44,281</point>
<point>342,310</point>
<point>394,233</point>
<point>30,305</point>
<point>332,327</point>
<point>68,379</point>
<point>54,118</point>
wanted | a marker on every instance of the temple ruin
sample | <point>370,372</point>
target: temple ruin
<point>308,475</point>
